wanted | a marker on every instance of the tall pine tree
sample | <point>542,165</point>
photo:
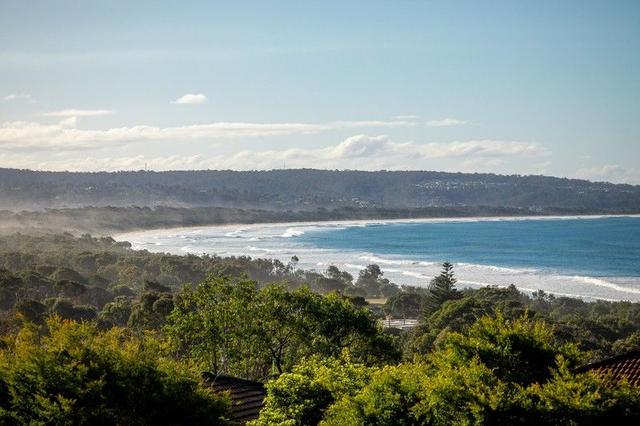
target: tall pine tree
<point>441,289</point>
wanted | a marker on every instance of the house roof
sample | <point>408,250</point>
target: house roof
<point>247,396</point>
<point>620,366</point>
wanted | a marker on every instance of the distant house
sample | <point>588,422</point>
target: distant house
<point>621,366</point>
<point>247,397</point>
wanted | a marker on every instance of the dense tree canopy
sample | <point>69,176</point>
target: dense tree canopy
<point>501,371</point>
<point>95,331</point>
<point>233,327</point>
<point>301,396</point>
<point>72,373</point>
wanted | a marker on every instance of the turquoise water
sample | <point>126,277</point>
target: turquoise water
<point>592,258</point>
<point>605,247</point>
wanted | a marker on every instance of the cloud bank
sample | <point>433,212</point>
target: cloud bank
<point>362,152</point>
<point>32,136</point>
<point>379,152</point>
<point>65,146</point>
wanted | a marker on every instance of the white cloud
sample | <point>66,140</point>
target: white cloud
<point>22,135</point>
<point>610,173</point>
<point>357,152</point>
<point>78,113</point>
<point>446,122</point>
<point>378,152</point>
<point>19,97</point>
<point>191,99</point>
<point>69,122</point>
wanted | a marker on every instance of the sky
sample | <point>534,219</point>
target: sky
<point>509,87</point>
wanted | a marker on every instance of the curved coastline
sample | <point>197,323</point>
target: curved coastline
<point>365,222</point>
<point>280,241</point>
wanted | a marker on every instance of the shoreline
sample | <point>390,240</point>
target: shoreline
<point>365,222</point>
<point>105,221</point>
<point>273,241</point>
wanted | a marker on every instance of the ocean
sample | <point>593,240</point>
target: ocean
<point>587,257</point>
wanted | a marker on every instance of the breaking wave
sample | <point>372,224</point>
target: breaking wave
<point>282,241</point>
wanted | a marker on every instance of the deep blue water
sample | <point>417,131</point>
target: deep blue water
<point>602,247</point>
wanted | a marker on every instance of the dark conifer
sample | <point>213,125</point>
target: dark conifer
<point>441,289</point>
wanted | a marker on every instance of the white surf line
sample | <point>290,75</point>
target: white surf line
<point>364,222</point>
<point>522,289</point>
<point>599,282</point>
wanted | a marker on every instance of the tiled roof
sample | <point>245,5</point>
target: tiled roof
<point>246,396</point>
<point>626,365</point>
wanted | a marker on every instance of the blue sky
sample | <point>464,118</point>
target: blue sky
<point>508,87</point>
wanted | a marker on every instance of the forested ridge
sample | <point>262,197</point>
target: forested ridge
<point>98,333</point>
<point>309,189</point>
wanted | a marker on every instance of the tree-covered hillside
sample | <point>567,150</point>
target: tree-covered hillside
<point>309,189</point>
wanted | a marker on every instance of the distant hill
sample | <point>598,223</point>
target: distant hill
<point>310,189</point>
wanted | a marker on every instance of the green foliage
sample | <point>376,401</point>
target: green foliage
<point>212,323</point>
<point>453,315</point>
<point>519,351</point>
<point>150,311</point>
<point>116,313</point>
<point>67,310</point>
<point>105,263</point>
<point>300,397</point>
<point>628,344</point>
<point>600,328</point>
<point>81,278</point>
<point>71,373</point>
<point>501,372</point>
<point>422,393</point>
<point>333,280</point>
<point>405,304</point>
<point>388,398</point>
<point>373,283</point>
<point>232,327</point>
<point>584,399</point>
<point>486,356</point>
